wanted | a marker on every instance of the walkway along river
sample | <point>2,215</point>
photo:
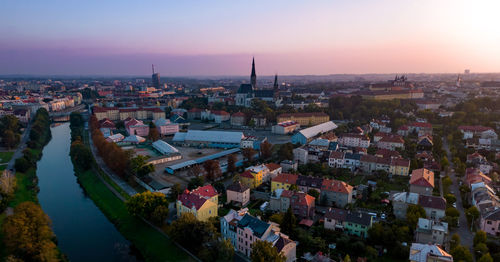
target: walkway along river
<point>83,232</point>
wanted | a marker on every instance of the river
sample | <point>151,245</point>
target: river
<point>82,230</point>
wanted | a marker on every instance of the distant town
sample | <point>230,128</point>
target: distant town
<point>279,168</point>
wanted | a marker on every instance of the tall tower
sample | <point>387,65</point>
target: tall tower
<point>253,76</point>
<point>275,86</point>
<point>155,77</point>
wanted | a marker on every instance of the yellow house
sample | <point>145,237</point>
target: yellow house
<point>251,179</point>
<point>283,181</point>
<point>201,202</point>
<point>399,166</point>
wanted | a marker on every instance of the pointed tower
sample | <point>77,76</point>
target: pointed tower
<point>253,76</point>
<point>275,86</point>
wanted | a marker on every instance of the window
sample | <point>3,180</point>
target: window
<point>488,222</point>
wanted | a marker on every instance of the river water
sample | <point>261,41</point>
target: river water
<point>82,230</point>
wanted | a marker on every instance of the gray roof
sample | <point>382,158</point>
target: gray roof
<point>164,147</point>
<point>209,136</point>
<point>318,129</point>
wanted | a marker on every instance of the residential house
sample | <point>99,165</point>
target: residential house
<point>490,222</point>
<point>238,119</point>
<point>274,171</point>
<point>288,165</point>
<point>166,127</point>
<point>334,218</point>
<point>434,206</point>
<point>391,143</point>
<point>220,116</point>
<point>478,131</point>
<point>474,175</point>
<point>354,140</point>
<point>306,183</point>
<point>194,113</point>
<point>301,204</point>
<point>136,127</point>
<point>399,166</point>
<point>229,225</point>
<point>422,181</point>
<point>202,202</point>
<point>428,253</point>
<point>283,181</point>
<point>336,159</point>
<point>401,201</point>
<point>336,193</point>
<point>238,193</point>
<point>357,223</point>
<point>286,127</point>
<point>431,231</point>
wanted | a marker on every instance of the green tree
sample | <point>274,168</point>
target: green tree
<point>480,237</point>
<point>263,251</point>
<point>450,199</point>
<point>285,151</point>
<point>139,167</point>
<point>196,182</point>
<point>313,193</point>
<point>455,241</point>
<point>472,214</point>
<point>294,188</point>
<point>289,222</point>
<point>486,258</point>
<point>175,191</point>
<point>81,155</point>
<point>480,249</point>
<point>191,233</point>
<point>461,253</point>
<point>149,205</point>
<point>413,213</point>
<point>347,258</point>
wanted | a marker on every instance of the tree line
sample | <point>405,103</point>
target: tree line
<point>10,131</point>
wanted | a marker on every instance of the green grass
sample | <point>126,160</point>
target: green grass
<point>153,245</point>
<point>6,156</point>
<point>24,191</point>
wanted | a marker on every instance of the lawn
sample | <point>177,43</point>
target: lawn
<point>153,245</point>
<point>24,191</point>
<point>5,156</point>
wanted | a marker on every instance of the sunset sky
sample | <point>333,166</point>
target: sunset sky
<point>187,38</point>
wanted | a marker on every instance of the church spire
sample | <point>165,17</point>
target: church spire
<point>276,82</point>
<point>253,76</point>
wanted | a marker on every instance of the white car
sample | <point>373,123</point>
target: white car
<point>455,205</point>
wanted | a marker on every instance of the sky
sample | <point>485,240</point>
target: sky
<point>219,38</point>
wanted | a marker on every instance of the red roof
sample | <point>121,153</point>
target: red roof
<point>238,114</point>
<point>189,200</point>
<point>392,139</point>
<point>246,174</point>
<point>432,202</point>
<point>420,124</point>
<point>286,178</point>
<point>205,191</point>
<point>474,175</point>
<point>195,110</point>
<point>220,113</point>
<point>474,128</point>
<point>400,162</point>
<point>316,114</point>
<point>302,199</point>
<point>336,186</point>
<point>422,177</point>
<point>337,155</point>
<point>387,153</point>
<point>106,123</point>
<point>272,166</point>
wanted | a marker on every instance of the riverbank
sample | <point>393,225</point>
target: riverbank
<point>26,190</point>
<point>151,243</point>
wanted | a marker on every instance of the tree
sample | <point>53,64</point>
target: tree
<point>139,167</point>
<point>289,222</point>
<point>153,132</point>
<point>444,163</point>
<point>480,249</point>
<point>217,250</point>
<point>480,237</point>
<point>263,251</point>
<point>486,258</point>
<point>81,155</point>
<point>28,235</point>
<point>472,213</point>
<point>347,258</point>
<point>455,241</point>
<point>10,139</point>
<point>22,165</point>
<point>212,169</point>
<point>149,205</point>
<point>285,152</point>
<point>248,154</point>
<point>413,213</point>
<point>266,149</point>
<point>191,233</point>
<point>452,212</point>
<point>313,193</point>
<point>277,218</point>
<point>461,253</point>
<point>294,188</point>
<point>450,199</point>
<point>195,171</point>
<point>196,182</point>
<point>231,163</point>
<point>175,191</point>
<point>7,183</point>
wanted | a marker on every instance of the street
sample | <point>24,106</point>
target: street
<point>19,150</point>
<point>466,236</point>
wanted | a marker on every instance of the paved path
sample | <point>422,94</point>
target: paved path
<point>118,180</point>
<point>19,150</point>
<point>466,236</point>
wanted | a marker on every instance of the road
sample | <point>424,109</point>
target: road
<point>466,236</point>
<point>120,182</point>
<point>19,150</point>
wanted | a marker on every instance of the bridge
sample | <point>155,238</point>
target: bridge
<point>67,111</point>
